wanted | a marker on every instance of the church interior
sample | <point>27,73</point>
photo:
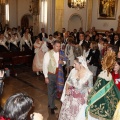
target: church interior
<point>52,16</point>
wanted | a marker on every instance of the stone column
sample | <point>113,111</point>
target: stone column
<point>51,17</point>
<point>89,14</point>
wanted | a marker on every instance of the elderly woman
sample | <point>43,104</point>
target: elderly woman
<point>76,90</point>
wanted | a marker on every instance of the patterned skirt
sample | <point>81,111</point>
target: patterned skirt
<point>73,107</point>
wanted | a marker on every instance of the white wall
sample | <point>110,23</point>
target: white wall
<point>17,8</point>
<point>104,24</point>
<point>70,11</point>
<point>23,8</point>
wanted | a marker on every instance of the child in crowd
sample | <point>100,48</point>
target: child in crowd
<point>116,76</point>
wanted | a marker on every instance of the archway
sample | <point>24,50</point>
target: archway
<point>75,22</point>
<point>27,21</point>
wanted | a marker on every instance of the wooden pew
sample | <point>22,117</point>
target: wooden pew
<point>15,58</point>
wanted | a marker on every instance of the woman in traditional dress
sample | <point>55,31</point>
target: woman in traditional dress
<point>103,98</point>
<point>76,90</point>
<point>40,49</point>
<point>26,42</point>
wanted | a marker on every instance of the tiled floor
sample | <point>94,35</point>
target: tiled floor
<point>28,82</point>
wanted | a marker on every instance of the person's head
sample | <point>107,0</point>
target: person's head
<point>42,30</point>
<point>81,36</point>
<point>93,29</point>
<point>38,39</point>
<point>56,45</point>
<point>87,33</point>
<point>94,45</point>
<point>70,40</point>
<point>63,30</point>
<point>105,44</point>
<point>111,30</point>
<point>66,34</point>
<point>80,63</point>
<point>94,33</point>
<point>87,38</point>
<point>86,47</point>
<point>75,30</point>
<point>17,106</point>
<point>117,65</point>
<point>27,30</point>
<point>116,37</point>
<point>107,33</point>
<point>1,36</point>
<point>112,48</point>
<point>80,29</point>
<point>55,34</point>
<point>100,36</point>
<point>50,37</point>
<point>108,38</point>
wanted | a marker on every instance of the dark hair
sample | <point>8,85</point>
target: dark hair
<point>111,29</point>
<point>56,41</point>
<point>114,48</point>
<point>94,45</point>
<point>50,35</point>
<point>76,59</point>
<point>70,39</point>
<point>55,33</point>
<point>17,106</point>
<point>86,46</point>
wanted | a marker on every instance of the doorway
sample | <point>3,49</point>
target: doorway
<point>75,22</point>
<point>27,21</point>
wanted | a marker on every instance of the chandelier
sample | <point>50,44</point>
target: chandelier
<point>78,4</point>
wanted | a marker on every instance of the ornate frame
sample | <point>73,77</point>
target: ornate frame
<point>107,9</point>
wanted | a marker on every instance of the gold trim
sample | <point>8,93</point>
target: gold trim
<point>104,94</point>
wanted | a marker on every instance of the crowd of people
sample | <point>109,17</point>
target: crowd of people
<point>90,87</point>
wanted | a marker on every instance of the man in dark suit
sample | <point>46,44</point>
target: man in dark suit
<point>108,38</point>
<point>42,35</point>
<point>78,33</point>
<point>82,39</point>
<point>116,40</point>
<point>87,40</point>
<point>112,34</point>
<point>63,32</point>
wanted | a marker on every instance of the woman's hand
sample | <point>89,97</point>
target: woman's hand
<point>67,92</point>
<point>36,116</point>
